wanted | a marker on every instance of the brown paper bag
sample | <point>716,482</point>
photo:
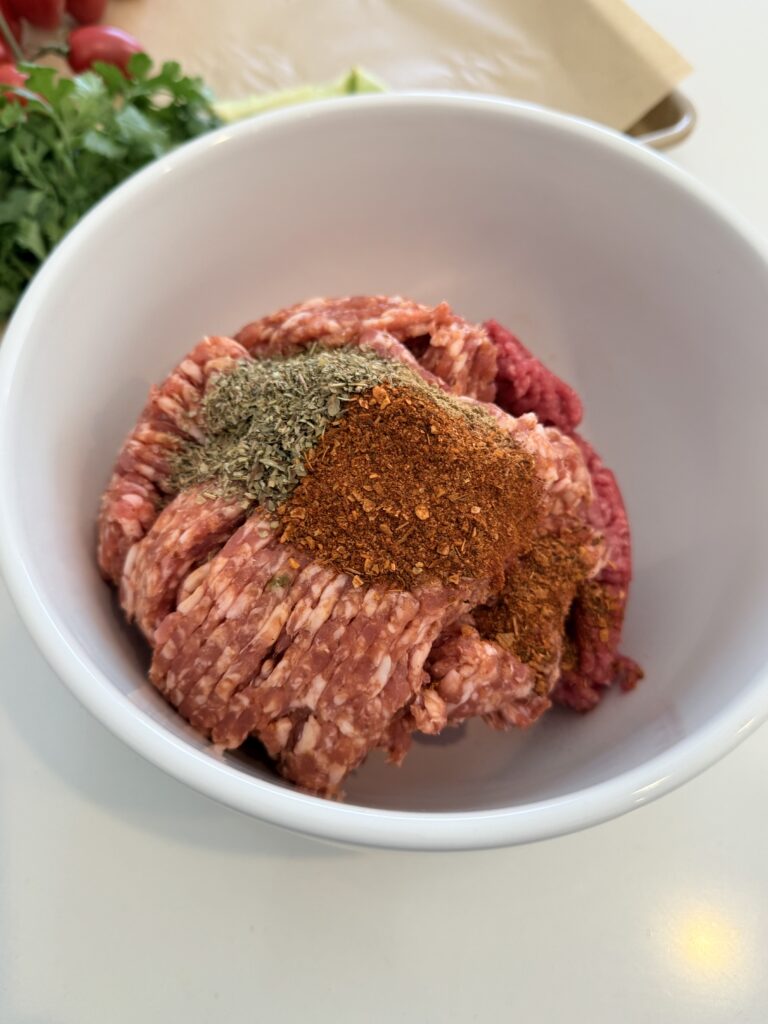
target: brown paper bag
<point>595,58</point>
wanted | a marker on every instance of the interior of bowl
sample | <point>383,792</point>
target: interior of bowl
<point>609,268</point>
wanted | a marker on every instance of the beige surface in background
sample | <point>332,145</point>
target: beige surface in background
<point>595,58</point>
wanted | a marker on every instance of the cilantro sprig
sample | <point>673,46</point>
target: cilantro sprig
<point>73,140</point>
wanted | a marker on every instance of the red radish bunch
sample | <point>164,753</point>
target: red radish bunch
<point>14,27</point>
<point>86,12</point>
<point>86,42</point>
<point>10,75</point>
<point>40,13</point>
<point>90,43</point>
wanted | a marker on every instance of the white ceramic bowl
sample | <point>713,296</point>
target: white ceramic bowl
<point>620,271</point>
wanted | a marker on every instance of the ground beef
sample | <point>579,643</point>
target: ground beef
<point>252,638</point>
<point>597,616</point>
<point>368,681</point>
<point>187,532</point>
<point>477,677</point>
<point>568,485</point>
<point>140,480</point>
<point>525,385</point>
<point>472,675</point>
<point>274,646</point>
<point>459,353</point>
<point>195,646</point>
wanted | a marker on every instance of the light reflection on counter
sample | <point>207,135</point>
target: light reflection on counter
<point>709,948</point>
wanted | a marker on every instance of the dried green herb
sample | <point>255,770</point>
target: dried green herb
<point>261,418</point>
<point>278,582</point>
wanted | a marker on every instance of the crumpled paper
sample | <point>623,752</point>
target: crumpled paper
<point>594,58</point>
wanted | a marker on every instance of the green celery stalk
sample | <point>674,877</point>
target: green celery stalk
<point>355,81</point>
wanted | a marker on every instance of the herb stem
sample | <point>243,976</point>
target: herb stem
<point>50,49</point>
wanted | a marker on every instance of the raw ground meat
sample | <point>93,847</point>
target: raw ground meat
<point>187,531</point>
<point>272,645</point>
<point>140,480</point>
<point>478,677</point>
<point>568,485</point>
<point>269,644</point>
<point>597,662</point>
<point>525,385</point>
<point>253,638</point>
<point>475,676</point>
<point>459,353</point>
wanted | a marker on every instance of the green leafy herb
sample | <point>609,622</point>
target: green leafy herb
<point>73,141</point>
<point>279,582</point>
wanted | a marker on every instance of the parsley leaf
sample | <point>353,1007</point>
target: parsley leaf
<point>74,141</point>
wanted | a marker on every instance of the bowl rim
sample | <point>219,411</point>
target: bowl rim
<point>348,823</point>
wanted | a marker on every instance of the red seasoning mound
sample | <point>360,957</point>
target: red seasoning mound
<point>404,490</point>
<point>331,542</point>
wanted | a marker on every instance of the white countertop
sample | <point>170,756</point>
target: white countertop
<point>126,897</point>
